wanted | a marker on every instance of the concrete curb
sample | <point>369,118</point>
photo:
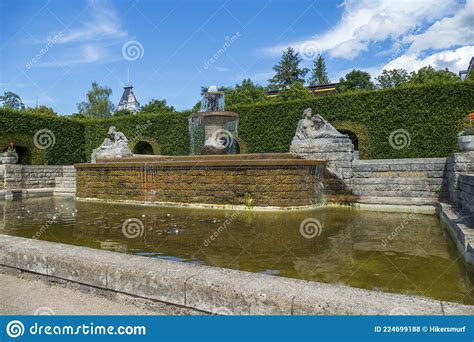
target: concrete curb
<point>211,289</point>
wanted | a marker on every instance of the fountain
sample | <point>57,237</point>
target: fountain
<point>214,175</point>
<point>213,130</point>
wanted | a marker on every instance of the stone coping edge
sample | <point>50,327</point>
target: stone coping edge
<point>388,207</point>
<point>210,289</point>
<point>200,205</point>
<point>400,161</point>
<point>460,232</point>
<point>243,163</point>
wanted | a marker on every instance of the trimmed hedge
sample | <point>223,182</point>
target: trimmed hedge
<point>59,140</point>
<point>167,133</point>
<point>432,115</point>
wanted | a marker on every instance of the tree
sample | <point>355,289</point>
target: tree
<point>296,91</point>
<point>11,100</point>
<point>355,80</point>
<point>245,93</point>
<point>392,78</point>
<point>319,75</point>
<point>428,75</point>
<point>156,106</point>
<point>41,110</point>
<point>98,102</point>
<point>288,70</point>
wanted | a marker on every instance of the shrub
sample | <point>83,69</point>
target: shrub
<point>431,114</point>
<point>59,140</point>
<point>167,133</point>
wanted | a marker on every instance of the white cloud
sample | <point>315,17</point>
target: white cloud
<point>91,41</point>
<point>455,60</point>
<point>103,23</point>
<point>446,33</point>
<point>368,21</point>
<point>85,54</point>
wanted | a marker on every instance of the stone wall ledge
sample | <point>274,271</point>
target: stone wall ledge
<point>210,289</point>
<point>396,200</point>
<point>459,224</point>
<point>397,181</point>
<point>398,167</point>
<point>402,161</point>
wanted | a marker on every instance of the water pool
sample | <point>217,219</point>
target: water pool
<point>393,252</point>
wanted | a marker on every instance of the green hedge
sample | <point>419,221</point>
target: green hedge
<point>167,133</point>
<point>432,115</point>
<point>59,140</point>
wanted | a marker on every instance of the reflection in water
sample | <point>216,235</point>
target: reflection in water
<point>352,248</point>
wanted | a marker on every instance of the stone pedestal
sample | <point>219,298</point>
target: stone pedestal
<point>114,146</point>
<point>338,153</point>
<point>111,154</point>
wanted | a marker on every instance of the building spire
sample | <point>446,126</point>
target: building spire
<point>128,100</point>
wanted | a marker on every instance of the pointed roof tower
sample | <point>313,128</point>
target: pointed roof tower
<point>128,100</point>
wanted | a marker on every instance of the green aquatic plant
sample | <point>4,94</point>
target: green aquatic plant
<point>248,200</point>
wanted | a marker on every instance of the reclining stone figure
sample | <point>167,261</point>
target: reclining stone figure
<point>114,146</point>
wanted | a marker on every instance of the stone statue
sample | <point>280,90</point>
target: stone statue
<point>114,146</point>
<point>315,127</point>
<point>317,139</point>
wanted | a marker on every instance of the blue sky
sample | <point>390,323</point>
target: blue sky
<point>53,50</point>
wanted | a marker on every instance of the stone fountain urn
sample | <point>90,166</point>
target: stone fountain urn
<point>466,140</point>
<point>213,130</point>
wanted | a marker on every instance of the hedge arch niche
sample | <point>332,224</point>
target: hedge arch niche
<point>145,146</point>
<point>27,153</point>
<point>359,136</point>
